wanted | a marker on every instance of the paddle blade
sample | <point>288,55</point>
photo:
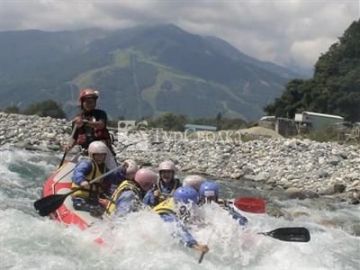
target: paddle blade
<point>49,204</point>
<point>293,234</point>
<point>249,204</point>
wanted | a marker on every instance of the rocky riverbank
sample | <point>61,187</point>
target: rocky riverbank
<point>302,168</point>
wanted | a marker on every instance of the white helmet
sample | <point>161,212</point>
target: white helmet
<point>167,165</point>
<point>97,147</point>
<point>132,166</point>
<point>194,181</point>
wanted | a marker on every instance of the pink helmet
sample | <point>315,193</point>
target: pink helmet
<point>167,165</point>
<point>146,178</point>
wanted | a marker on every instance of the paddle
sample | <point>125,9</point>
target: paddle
<point>250,204</point>
<point>63,159</point>
<point>201,256</point>
<point>207,243</point>
<point>66,151</point>
<point>289,234</point>
<point>49,204</point>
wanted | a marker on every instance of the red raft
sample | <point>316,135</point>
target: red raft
<point>60,183</point>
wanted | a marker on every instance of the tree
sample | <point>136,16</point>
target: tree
<point>12,109</point>
<point>169,121</point>
<point>335,85</point>
<point>46,108</point>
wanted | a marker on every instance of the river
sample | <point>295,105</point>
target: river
<point>142,241</point>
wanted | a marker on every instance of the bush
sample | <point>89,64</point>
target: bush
<point>324,135</point>
<point>12,109</point>
<point>45,108</point>
<point>169,121</point>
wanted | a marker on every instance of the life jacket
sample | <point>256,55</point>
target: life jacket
<point>96,188</point>
<point>165,207</point>
<point>163,196</point>
<point>86,134</point>
<point>168,207</point>
<point>124,186</point>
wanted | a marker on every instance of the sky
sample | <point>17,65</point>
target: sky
<point>286,32</point>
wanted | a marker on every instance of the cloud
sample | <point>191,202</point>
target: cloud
<point>307,50</point>
<point>281,31</point>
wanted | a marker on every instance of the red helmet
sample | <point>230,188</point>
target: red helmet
<point>88,93</point>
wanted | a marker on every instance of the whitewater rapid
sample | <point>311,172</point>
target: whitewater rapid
<point>143,241</point>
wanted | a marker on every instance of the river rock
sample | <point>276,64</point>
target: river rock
<point>300,166</point>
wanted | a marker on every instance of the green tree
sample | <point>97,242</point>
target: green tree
<point>12,109</point>
<point>335,86</point>
<point>46,108</point>
<point>169,121</point>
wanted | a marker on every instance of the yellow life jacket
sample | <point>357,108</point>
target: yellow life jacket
<point>163,196</point>
<point>95,187</point>
<point>165,207</point>
<point>124,186</point>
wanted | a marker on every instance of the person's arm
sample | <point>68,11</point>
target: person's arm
<point>149,198</point>
<point>115,178</point>
<point>100,124</point>
<point>112,181</point>
<point>183,234</point>
<point>126,203</point>
<point>237,216</point>
<point>82,169</point>
<point>101,120</point>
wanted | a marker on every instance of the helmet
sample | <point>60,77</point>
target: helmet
<point>167,165</point>
<point>146,178</point>
<point>186,195</point>
<point>97,147</point>
<point>87,93</point>
<point>209,189</point>
<point>193,181</point>
<point>132,166</point>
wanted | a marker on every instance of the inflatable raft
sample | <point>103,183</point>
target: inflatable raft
<point>60,183</point>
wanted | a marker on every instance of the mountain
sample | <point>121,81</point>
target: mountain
<point>335,86</point>
<point>141,71</point>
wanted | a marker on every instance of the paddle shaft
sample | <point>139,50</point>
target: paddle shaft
<point>105,174</point>
<point>93,181</point>
<point>202,256</point>
<point>66,151</point>
<point>203,252</point>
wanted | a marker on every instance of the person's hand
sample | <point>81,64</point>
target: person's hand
<point>85,184</point>
<point>78,121</point>
<point>202,248</point>
<point>125,165</point>
<point>103,202</point>
<point>67,147</point>
<point>157,193</point>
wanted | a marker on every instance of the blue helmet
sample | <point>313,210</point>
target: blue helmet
<point>209,189</point>
<point>186,194</point>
